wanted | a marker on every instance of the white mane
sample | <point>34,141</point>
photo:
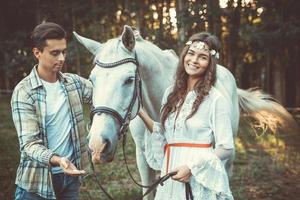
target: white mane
<point>157,69</point>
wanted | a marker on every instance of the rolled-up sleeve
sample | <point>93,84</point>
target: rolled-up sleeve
<point>26,122</point>
<point>87,89</point>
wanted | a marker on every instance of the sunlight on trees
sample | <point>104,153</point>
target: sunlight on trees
<point>245,27</point>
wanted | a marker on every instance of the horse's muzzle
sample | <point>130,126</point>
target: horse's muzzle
<point>101,155</point>
<point>97,159</point>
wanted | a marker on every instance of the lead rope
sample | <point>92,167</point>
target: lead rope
<point>101,187</point>
<point>150,187</point>
<point>188,189</point>
<point>188,192</point>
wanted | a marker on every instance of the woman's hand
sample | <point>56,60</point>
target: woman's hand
<point>148,121</point>
<point>183,174</point>
<point>141,112</point>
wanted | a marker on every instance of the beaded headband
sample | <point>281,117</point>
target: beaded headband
<point>201,46</point>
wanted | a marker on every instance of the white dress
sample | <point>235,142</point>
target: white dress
<point>210,124</point>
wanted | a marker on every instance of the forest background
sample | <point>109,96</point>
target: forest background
<point>260,38</point>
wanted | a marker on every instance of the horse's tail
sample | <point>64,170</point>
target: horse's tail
<point>266,111</point>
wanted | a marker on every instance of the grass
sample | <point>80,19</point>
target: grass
<point>266,167</point>
<point>9,155</point>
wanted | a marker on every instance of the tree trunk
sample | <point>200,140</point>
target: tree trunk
<point>180,10</point>
<point>140,21</point>
<point>292,79</point>
<point>213,17</point>
<point>279,82</point>
<point>234,25</point>
<point>160,19</point>
<point>78,64</point>
<point>267,84</point>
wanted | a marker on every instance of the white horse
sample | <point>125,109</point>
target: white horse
<point>119,64</point>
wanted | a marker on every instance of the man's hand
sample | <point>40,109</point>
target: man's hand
<point>183,174</point>
<point>69,168</point>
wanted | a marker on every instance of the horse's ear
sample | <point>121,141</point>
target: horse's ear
<point>91,45</point>
<point>128,38</point>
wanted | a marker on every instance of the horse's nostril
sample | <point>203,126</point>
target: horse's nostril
<point>106,144</point>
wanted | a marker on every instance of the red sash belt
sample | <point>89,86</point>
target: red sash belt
<point>168,147</point>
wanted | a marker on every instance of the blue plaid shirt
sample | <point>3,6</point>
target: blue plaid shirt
<point>28,105</point>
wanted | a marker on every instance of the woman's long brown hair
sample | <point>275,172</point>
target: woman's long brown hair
<point>202,86</point>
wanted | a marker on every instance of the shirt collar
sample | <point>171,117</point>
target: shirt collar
<point>36,81</point>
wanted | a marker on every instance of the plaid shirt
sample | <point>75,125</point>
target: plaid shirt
<point>28,110</point>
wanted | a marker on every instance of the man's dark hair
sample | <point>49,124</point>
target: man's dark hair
<point>44,31</point>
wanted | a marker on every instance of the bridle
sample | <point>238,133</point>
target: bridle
<point>124,122</point>
<point>137,94</point>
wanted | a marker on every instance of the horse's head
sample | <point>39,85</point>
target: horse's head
<point>116,91</point>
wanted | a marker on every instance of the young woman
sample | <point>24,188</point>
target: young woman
<point>194,136</point>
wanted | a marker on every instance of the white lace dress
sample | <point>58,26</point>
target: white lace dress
<point>211,123</point>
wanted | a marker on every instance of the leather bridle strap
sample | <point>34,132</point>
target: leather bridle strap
<point>115,64</point>
<point>102,109</point>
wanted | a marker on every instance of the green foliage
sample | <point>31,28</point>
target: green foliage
<point>258,37</point>
<point>9,150</point>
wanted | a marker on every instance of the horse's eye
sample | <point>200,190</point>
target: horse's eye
<point>129,81</point>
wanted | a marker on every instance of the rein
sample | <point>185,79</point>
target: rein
<point>151,187</point>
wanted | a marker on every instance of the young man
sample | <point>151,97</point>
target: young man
<point>48,115</point>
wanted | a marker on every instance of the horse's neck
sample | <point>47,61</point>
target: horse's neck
<point>157,74</point>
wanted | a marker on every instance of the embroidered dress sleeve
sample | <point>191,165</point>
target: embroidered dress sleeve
<point>155,141</point>
<point>154,147</point>
<point>208,169</point>
<point>26,123</point>
<point>210,173</point>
